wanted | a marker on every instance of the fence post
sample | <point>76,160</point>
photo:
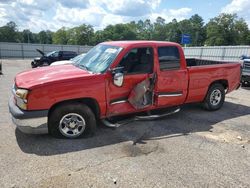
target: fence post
<point>1,72</point>
<point>201,52</point>
<point>22,50</point>
<point>223,53</point>
<point>0,51</point>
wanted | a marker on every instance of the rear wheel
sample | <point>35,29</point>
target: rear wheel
<point>74,120</point>
<point>215,97</point>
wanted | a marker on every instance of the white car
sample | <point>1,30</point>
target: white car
<point>73,60</point>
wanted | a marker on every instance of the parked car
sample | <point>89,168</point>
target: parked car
<point>51,57</point>
<point>73,60</point>
<point>245,74</point>
<point>116,78</point>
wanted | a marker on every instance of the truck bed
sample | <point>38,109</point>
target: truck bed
<point>199,62</point>
<point>201,76</point>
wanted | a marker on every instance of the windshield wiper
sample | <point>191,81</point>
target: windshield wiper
<point>83,66</point>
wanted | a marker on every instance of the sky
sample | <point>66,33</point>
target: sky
<point>37,15</point>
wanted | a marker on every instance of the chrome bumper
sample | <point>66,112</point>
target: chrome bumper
<point>30,122</point>
<point>245,73</point>
<point>32,125</point>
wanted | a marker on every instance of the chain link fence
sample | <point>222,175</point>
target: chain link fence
<point>25,50</point>
<point>230,53</point>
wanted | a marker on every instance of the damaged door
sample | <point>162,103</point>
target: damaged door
<point>137,69</point>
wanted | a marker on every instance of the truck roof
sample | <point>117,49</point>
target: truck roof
<point>142,42</point>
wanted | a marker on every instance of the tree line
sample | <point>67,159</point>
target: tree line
<point>225,29</point>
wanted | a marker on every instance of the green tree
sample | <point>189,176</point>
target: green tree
<point>98,37</point>
<point>8,33</point>
<point>173,32</point>
<point>195,28</point>
<point>44,37</point>
<point>160,29</point>
<point>227,29</point>
<point>198,30</point>
<point>28,36</point>
<point>60,36</point>
<point>117,32</point>
<point>145,30</point>
<point>242,32</point>
<point>81,35</point>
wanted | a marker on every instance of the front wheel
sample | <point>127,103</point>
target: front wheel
<point>74,120</point>
<point>215,97</point>
<point>33,64</point>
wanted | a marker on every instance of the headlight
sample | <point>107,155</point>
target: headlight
<point>21,98</point>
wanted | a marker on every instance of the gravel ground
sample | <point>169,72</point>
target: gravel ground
<point>193,148</point>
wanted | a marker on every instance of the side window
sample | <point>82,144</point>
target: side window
<point>138,61</point>
<point>64,54</point>
<point>169,58</point>
<point>55,54</point>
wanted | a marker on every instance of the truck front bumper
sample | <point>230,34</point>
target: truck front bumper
<point>245,78</point>
<point>30,122</point>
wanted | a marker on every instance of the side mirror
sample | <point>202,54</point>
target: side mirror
<point>116,70</point>
<point>118,79</point>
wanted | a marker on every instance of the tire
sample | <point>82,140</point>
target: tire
<point>74,120</point>
<point>33,64</point>
<point>215,97</point>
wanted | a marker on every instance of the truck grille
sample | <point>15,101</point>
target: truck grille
<point>246,66</point>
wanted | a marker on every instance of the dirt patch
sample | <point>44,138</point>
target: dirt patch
<point>228,136</point>
<point>142,148</point>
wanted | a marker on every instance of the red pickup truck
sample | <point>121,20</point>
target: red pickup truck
<point>116,78</point>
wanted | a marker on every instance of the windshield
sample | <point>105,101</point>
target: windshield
<point>99,58</point>
<point>50,53</point>
<point>78,58</point>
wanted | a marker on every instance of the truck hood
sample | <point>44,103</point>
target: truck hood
<point>41,52</point>
<point>44,75</point>
<point>37,58</point>
<point>61,62</point>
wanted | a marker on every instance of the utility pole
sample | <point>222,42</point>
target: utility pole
<point>28,37</point>
<point>1,73</point>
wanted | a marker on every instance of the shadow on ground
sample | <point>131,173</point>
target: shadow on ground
<point>246,87</point>
<point>191,119</point>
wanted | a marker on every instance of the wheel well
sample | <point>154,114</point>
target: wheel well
<point>224,83</point>
<point>90,102</point>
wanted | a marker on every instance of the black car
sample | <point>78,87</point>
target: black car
<point>51,57</point>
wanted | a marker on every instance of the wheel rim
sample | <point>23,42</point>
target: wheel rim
<point>215,97</point>
<point>72,125</point>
